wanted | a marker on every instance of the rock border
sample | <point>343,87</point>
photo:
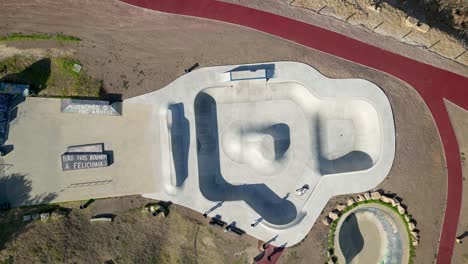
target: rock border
<point>334,216</point>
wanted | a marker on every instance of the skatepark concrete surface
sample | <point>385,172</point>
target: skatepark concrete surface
<point>235,149</point>
<point>40,134</point>
<point>371,233</point>
<point>240,149</point>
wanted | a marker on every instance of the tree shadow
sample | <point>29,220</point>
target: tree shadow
<point>36,75</point>
<point>434,14</point>
<point>16,190</point>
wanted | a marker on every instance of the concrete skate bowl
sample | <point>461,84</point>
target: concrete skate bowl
<point>262,147</point>
<point>273,209</point>
<point>280,135</point>
<point>371,233</point>
<point>175,133</point>
<point>348,137</point>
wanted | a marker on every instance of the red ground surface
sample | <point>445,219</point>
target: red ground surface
<point>274,253</point>
<point>433,84</point>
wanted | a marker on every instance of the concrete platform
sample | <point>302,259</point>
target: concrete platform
<point>40,134</point>
<point>240,149</point>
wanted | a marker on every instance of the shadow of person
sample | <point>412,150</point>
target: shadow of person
<point>350,237</point>
<point>36,75</point>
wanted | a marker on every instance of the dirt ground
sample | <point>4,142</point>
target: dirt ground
<point>459,119</point>
<point>148,50</point>
<point>133,237</point>
<point>49,76</point>
<point>364,25</point>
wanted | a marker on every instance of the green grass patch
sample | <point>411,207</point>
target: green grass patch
<point>50,76</point>
<point>38,36</point>
<point>334,224</point>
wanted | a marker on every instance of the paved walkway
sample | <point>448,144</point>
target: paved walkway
<point>432,83</point>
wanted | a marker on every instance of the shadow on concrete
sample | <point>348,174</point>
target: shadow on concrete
<point>216,206</point>
<point>36,75</point>
<point>350,237</point>
<point>16,190</point>
<point>269,69</point>
<point>274,209</point>
<point>353,161</point>
<point>280,133</point>
<point>110,156</point>
<point>5,149</point>
<point>180,141</point>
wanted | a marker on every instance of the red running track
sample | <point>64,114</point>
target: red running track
<point>432,83</point>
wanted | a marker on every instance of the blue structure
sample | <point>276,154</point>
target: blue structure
<point>14,89</point>
<point>252,72</point>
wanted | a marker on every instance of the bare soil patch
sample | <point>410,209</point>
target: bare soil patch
<point>459,119</point>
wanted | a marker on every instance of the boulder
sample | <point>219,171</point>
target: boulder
<point>375,8</point>
<point>411,226</point>
<point>375,195</point>
<point>386,199</point>
<point>327,221</point>
<point>45,217</point>
<point>423,27</point>
<point>367,196</point>
<point>26,218</point>
<point>417,24</point>
<point>411,22</point>
<point>414,235</point>
<point>401,210</point>
<point>333,216</point>
<point>395,202</point>
<point>360,198</point>
<point>415,243</point>
<point>340,207</point>
<point>56,215</point>
<point>350,202</point>
<point>407,218</point>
